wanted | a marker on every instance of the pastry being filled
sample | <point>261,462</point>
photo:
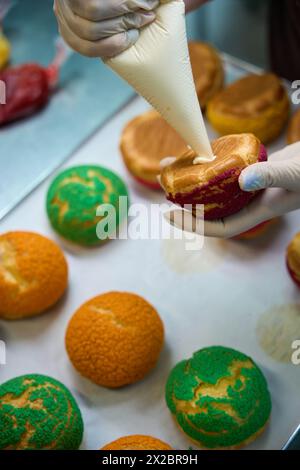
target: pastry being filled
<point>214,184</point>
<point>257,104</point>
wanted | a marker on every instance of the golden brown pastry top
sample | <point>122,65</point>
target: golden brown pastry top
<point>294,129</point>
<point>146,140</point>
<point>233,151</point>
<point>207,70</point>
<point>293,254</point>
<point>250,95</point>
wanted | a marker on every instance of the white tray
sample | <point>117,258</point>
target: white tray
<point>212,297</point>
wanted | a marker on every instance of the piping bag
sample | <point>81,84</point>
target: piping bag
<point>158,67</point>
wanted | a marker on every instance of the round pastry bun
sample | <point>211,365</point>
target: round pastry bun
<point>73,198</point>
<point>208,71</point>
<point>293,134</point>
<point>137,442</point>
<point>214,184</point>
<point>257,104</point>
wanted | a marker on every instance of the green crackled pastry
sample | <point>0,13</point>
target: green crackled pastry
<point>73,199</point>
<point>38,412</point>
<point>219,398</point>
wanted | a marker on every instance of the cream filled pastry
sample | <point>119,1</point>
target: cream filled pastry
<point>214,184</point>
<point>258,104</point>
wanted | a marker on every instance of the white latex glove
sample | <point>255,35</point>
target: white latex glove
<point>280,176</point>
<point>103,28</point>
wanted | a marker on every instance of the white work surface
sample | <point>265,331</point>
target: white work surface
<point>215,296</point>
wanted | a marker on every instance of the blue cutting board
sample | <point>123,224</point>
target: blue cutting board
<point>88,95</point>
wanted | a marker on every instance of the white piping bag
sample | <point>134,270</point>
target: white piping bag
<point>158,67</point>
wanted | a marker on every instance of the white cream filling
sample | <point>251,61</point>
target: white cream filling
<point>202,159</point>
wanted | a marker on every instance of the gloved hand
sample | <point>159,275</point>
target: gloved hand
<point>103,28</point>
<point>280,176</point>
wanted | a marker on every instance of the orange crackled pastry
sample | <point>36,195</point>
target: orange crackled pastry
<point>137,442</point>
<point>293,259</point>
<point>257,104</point>
<point>115,339</point>
<point>293,135</point>
<point>33,274</point>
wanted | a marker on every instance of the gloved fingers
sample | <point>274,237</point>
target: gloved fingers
<point>187,222</point>
<point>104,48</point>
<point>98,10</point>
<point>252,215</point>
<point>272,203</point>
<point>281,171</point>
<point>93,31</point>
<point>222,228</point>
